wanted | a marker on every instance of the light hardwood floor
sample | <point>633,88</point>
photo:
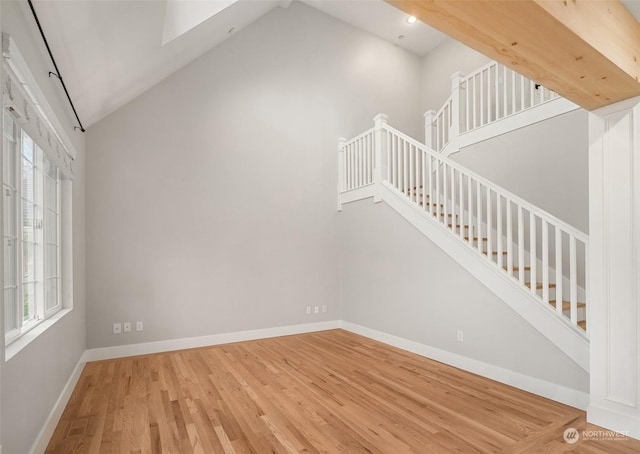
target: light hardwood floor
<point>327,392</point>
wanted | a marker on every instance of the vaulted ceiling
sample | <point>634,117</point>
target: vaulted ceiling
<point>111,51</point>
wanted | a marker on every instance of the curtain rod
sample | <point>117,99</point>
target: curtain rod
<point>57,73</point>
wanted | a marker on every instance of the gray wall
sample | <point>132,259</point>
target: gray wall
<point>212,197</point>
<point>34,378</point>
<point>395,280</point>
<point>545,164</point>
<point>437,68</point>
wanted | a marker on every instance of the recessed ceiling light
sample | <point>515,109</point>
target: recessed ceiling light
<point>231,30</point>
<point>401,37</point>
<point>411,20</point>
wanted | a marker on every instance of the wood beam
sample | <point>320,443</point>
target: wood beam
<point>586,51</point>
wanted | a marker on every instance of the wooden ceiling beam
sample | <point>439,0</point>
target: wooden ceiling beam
<point>586,51</point>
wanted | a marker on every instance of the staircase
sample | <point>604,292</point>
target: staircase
<point>535,262</point>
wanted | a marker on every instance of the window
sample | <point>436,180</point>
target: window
<point>31,186</point>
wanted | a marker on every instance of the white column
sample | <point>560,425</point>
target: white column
<point>429,118</point>
<point>341,144</point>
<point>454,127</point>
<point>614,266</point>
<point>378,163</point>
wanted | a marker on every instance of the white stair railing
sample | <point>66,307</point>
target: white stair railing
<point>487,95</point>
<point>542,253</point>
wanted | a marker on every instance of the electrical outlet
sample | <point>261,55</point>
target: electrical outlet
<point>460,336</point>
<point>316,310</point>
<point>117,328</point>
<point>308,309</point>
<point>126,327</point>
<point>324,308</point>
<point>139,326</point>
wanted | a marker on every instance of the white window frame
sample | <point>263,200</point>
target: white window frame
<point>40,240</point>
<point>63,155</point>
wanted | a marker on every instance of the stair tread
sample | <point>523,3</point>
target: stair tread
<point>539,285</point>
<point>517,268</point>
<point>566,305</point>
<point>583,324</point>
<point>475,238</point>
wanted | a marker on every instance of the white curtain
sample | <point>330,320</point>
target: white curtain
<point>17,97</point>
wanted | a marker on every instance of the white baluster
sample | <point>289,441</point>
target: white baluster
<point>412,188</point>
<point>489,224</point>
<point>533,251</point>
<point>499,245</point>
<point>521,247</point>
<point>461,197</point>
<point>431,206</point>
<point>453,199</point>
<point>545,261</point>
<point>478,231</point>
<point>509,238</point>
<point>558,269</point>
<point>388,148</point>
<point>342,183</point>
<point>470,208</point>
<point>573,280</point>
<point>505,91</point>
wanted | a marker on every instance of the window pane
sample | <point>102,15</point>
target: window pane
<point>29,301</point>
<point>52,294</point>
<point>27,180</point>
<point>28,262</point>
<point>9,212</point>
<point>10,319</point>
<point>51,262</point>
<point>27,147</point>
<point>9,263</point>
<point>28,230</point>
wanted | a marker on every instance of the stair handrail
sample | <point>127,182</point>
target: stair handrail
<point>494,187</point>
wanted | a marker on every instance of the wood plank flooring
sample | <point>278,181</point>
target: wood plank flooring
<point>327,392</point>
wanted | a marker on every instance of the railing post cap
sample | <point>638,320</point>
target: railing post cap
<point>381,118</point>
<point>429,113</point>
<point>457,75</point>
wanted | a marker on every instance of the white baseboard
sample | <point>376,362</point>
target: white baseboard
<point>121,351</point>
<point>558,393</point>
<point>612,420</point>
<point>42,440</point>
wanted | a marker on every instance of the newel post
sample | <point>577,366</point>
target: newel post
<point>454,121</point>
<point>429,120</point>
<point>342,142</point>
<point>379,165</point>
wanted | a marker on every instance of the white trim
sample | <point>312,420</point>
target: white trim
<point>42,440</point>
<point>97,354</point>
<point>528,117</point>
<point>353,195</point>
<point>566,337</point>
<point>613,420</point>
<point>25,339</point>
<point>553,391</point>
